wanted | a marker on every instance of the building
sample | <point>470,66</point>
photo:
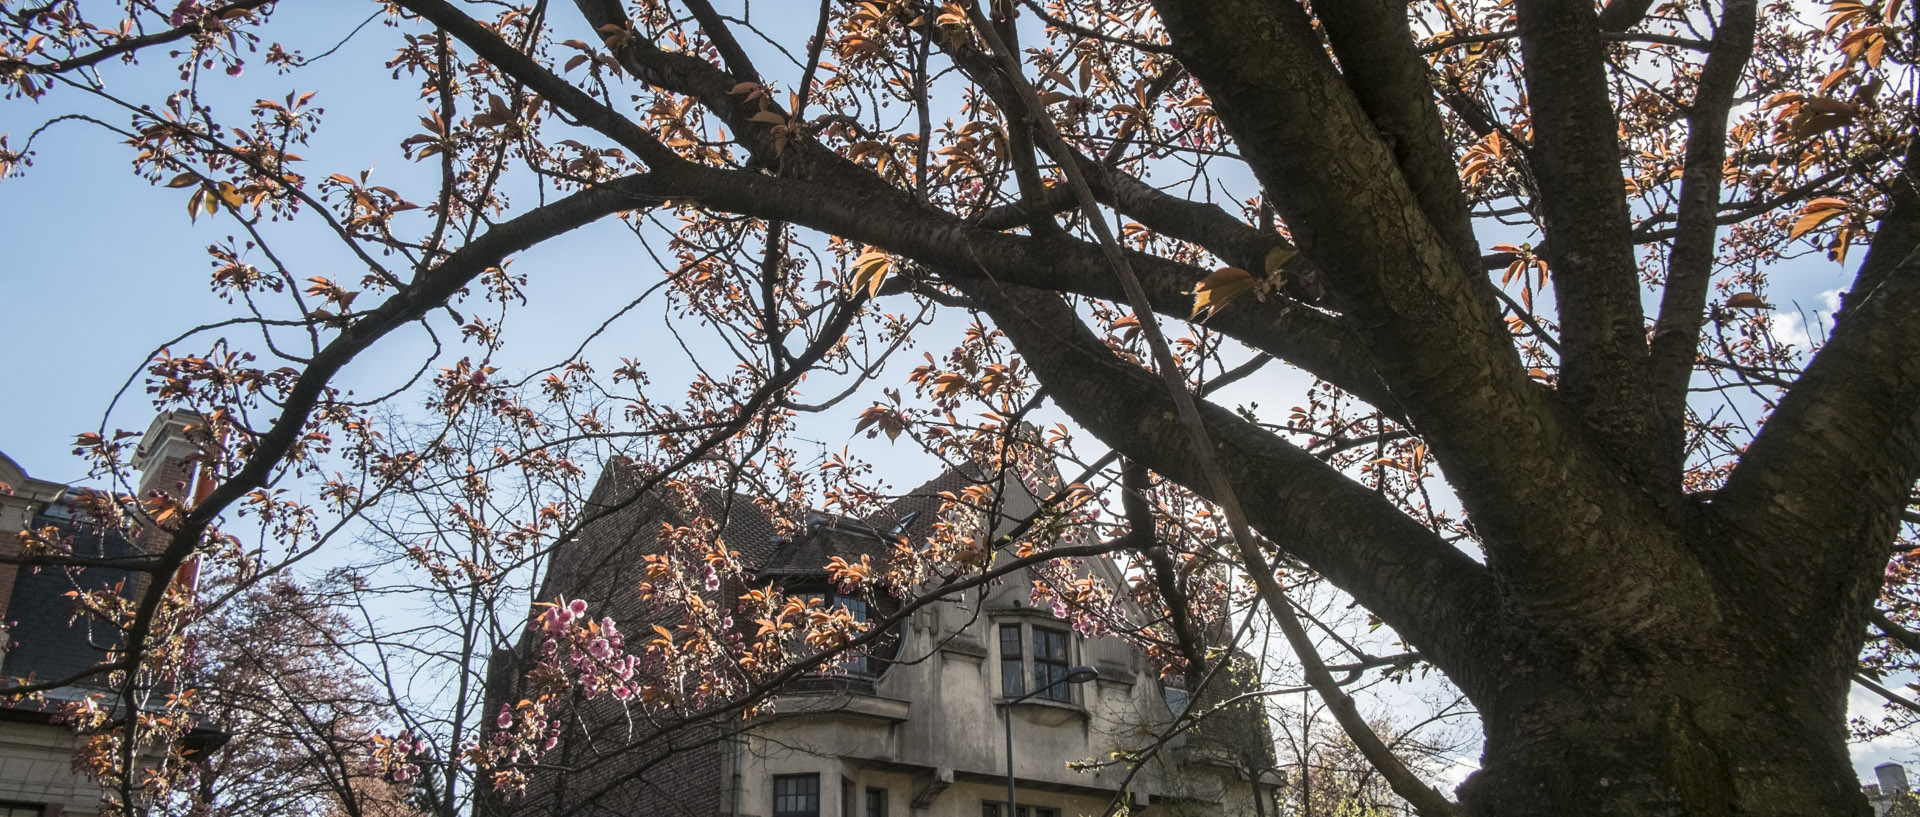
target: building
<point>914,728</point>
<point>1890,796</point>
<point>44,641</point>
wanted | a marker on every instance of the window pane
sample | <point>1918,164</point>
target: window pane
<point>1050,645</point>
<point>857,662</point>
<point>1052,679</point>
<point>796,795</point>
<point>1011,667</point>
<point>1050,664</point>
<point>1176,701</point>
<point>876,803</point>
<point>989,810</point>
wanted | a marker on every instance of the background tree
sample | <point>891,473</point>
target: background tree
<point>1526,244</point>
<point>298,717</point>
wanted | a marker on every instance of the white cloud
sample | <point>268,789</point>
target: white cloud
<point>1790,322</point>
<point>1899,748</point>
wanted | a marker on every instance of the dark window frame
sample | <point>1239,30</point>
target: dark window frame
<point>991,808</point>
<point>1013,668</point>
<point>798,797</point>
<point>1033,656</point>
<point>854,662</point>
<point>1052,656</point>
<point>876,802</point>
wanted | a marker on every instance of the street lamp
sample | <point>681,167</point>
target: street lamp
<point>1075,675</point>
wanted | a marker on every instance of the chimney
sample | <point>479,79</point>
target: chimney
<point>1893,778</point>
<point>167,460</point>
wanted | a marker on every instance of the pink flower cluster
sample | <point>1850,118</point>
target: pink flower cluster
<point>187,10</point>
<point>594,652</point>
<point>396,758</point>
<point>560,617</point>
<point>577,652</point>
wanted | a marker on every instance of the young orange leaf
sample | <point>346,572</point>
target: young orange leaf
<point>1815,213</point>
<point>1218,290</point>
<point>870,271</point>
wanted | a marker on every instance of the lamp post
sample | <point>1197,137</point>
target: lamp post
<point>1075,675</point>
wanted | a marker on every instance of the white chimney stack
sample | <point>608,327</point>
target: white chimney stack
<point>1893,778</point>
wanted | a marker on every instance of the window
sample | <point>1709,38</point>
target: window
<point>796,795</point>
<point>1047,662</point>
<point>1176,699</point>
<point>846,798</point>
<point>993,810</point>
<point>857,662</point>
<point>876,803</point>
<point>1050,664</point>
<point>1012,670</point>
<point>854,661</point>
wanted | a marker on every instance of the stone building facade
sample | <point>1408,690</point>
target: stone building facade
<point>44,641</point>
<point>912,730</point>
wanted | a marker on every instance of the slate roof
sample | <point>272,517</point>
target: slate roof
<point>48,642</point>
<point>912,516</point>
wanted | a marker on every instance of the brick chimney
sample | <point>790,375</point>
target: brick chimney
<point>167,459</point>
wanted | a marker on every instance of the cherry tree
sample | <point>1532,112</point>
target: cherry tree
<point>1461,307</point>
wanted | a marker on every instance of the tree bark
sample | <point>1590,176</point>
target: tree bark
<point>1729,732</point>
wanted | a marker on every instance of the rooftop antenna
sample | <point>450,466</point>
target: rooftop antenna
<point>818,458</point>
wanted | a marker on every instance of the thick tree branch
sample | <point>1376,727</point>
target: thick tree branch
<point>1062,351</point>
<point>721,35</point>
<point>580,105</point>
<point>1583,211</point>
<point>796,155</point>
<point>1891,697</point>
<point>1906,638</point>
<point>1676,337</point>
<point>1300,335</point>
<point>1898,234</point>
<point>1339,528</point>
<point>1142,538</point>
<point>1620,15</point>
<point>1826,479</point>
<point>1379,60</point>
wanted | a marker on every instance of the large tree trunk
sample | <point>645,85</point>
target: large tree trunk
<point>1752,742</point>
<point>1743,715</point>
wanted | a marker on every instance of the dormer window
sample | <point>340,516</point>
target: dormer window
<point>1176,699</point>
<point>854,661</point>
<point>1034,657</point>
